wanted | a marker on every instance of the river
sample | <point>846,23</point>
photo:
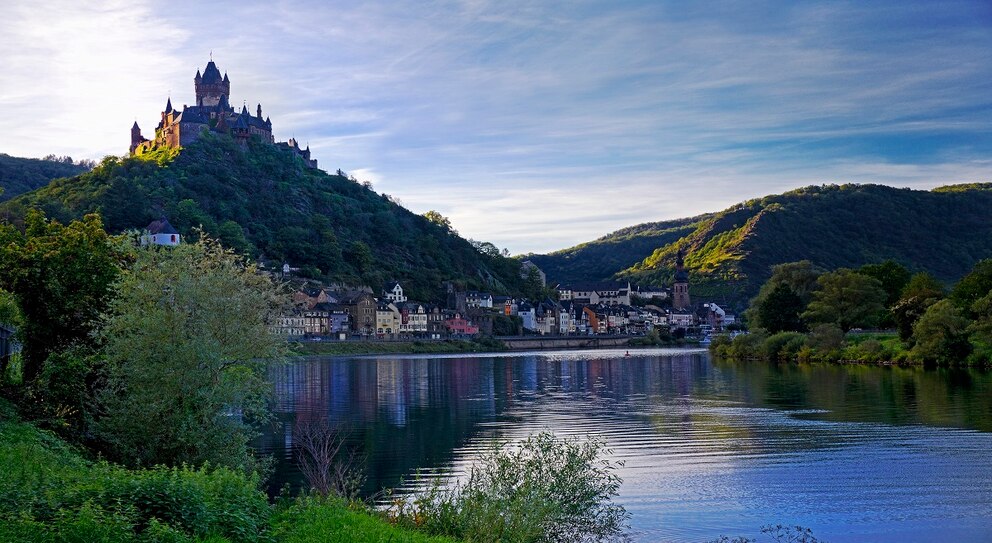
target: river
<point>709,448</point>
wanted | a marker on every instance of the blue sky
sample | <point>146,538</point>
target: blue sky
<point>533,125</point>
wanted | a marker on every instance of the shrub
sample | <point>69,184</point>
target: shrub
<point>784,345</point>
<point>544,489</point>
<point>748,347</point>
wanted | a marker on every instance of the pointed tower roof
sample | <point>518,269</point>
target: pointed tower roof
<point>168,105</point>
<point>244,109</point>
<point>211,74</point>
<point>226,80</point>
<point>198,76</point>
<point>135,127</point>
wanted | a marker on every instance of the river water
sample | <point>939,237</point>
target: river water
<point>709,448</point>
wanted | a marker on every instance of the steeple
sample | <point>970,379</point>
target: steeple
<point>135,127</point>
<point>259,111</point>
<point>168,105</point>
<point>244,109</point>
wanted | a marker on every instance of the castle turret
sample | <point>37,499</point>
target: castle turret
<point>259,111</point>
<point>136,138</point>
<point>210,87</point>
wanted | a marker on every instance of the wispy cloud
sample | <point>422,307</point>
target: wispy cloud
<point>537,125</point>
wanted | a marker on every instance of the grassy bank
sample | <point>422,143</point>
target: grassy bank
<point>51,491</point>
<point>483,345</point>
<point>821,346</point>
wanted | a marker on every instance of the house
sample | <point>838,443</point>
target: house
<point>459,326</point>
<point>528,314</point>
<point>160,232</point>
<point>413,318</point>
<point>681,319</point>
<point>361,308</point>
<point>387,319</point>
<point>478,299</point>
<point>289,325</point>
<point>393,292</point>
<point>436,329</point>
<point>596,293</point>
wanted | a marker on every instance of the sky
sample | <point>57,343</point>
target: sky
<point>533,125</point>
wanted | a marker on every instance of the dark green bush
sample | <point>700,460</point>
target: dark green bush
<point>784,345</point>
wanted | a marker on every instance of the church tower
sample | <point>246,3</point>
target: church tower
<point>211,88</point>
<point>680,288</point>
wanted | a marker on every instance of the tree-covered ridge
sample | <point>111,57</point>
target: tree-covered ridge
<point>730,253</point>
<point>20,175</point>
<point>265,202</point>
<point>602,258</point>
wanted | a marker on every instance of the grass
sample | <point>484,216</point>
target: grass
<point>51,491</point>
<point>331,521</point>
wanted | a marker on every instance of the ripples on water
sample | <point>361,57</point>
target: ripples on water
<point>857,454</point>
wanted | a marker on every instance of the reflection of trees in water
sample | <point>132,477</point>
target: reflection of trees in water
<point>408,413</point>
<point>951,397</point>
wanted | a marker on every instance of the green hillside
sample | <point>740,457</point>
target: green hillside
<point>601,259</point>
<point>729,254</point>
<point>265,202</point>
<point>20,175</point>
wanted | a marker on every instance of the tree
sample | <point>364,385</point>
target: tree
<point>440,220</point>
<point>922,291</point>
<point>779,311</point>
<point>60,277</point>
<point>187,342</point>
<point>893,276</point>
<point>847,299</point>
<point>800,277</point>
<point>974,286</point>
<point>981,328</point>
<point>941,335</point>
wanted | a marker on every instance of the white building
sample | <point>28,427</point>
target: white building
<point>393,292</point>
<point>160,232</point>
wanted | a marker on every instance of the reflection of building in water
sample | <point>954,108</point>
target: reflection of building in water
<point>392,391</point>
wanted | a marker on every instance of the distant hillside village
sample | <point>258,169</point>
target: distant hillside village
<point>212,112</point>
<point>579,309</point>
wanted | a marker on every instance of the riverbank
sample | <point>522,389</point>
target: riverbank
<point>51,491</point>
<point>357,348</point>
<point>881,349</point>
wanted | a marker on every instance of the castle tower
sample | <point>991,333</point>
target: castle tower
<point>211,87</point>
<point>680,288</point>
<point>136,138</point>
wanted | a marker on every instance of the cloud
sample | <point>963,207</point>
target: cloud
<point>536,125</point>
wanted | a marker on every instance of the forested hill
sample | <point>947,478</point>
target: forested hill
<point>730,253</point>
<point>20,175</point>
<point>265,201</point>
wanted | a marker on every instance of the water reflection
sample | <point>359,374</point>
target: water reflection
<point>880,453</point>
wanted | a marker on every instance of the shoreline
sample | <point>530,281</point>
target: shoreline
<point>482,346</point>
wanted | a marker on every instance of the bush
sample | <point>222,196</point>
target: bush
<point>544,489</point>
<point>784,345</point>
<point>748,347</point>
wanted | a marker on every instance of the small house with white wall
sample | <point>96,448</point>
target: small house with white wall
<point>160,232</point>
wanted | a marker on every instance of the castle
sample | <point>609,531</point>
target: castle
<point>212,112</point>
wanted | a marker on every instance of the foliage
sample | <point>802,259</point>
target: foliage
<point>311,518</point>
<point>20,175</point>
<point>48,492</point>
<point>777,534</point>
<point>186,342</point>
<point>941,335</point>
<point>730,254</point>
<point>60,277</point>
<point>826,337</point>
<point>922,291</point>
<point>784,346</point>
<point>974,286</point>
<point>543,489</point>
<point>779,310</point>
<point>440,220</point>
<point>326,225</point>
<point>981,330</point>
<point>893,277</point>
<point>846,298</point>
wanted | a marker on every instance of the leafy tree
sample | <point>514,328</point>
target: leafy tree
<point>780,310</point>
<point>893,277</point>
<point>846,298</point>
<point>941,335</point>
<point>799,278</point>
<point>187,342</point>
<point>233,236</point>
<point>60,277</point>
<point>922,291</point>
<point>440,220</point>
<point>974,286</point>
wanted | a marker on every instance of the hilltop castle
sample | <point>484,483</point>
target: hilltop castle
<point>212,112</point>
